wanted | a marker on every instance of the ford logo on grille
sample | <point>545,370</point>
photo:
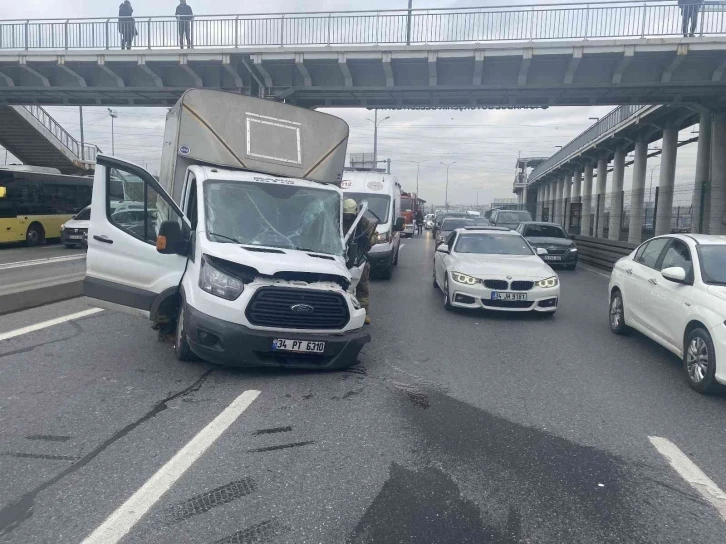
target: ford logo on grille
<point>302,308</point>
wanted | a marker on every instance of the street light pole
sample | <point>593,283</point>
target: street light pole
<point>376,122</point>
<point>113,115</point>
<point>650,189</point>
<point>446,200</point>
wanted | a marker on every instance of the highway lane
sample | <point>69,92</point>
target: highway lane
<point>454,427</point>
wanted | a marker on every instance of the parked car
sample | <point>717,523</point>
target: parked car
<point>72,231</point>
<point>496,269</point>
<point>560,246</point>
<point>673,290</point>
<point>509,218</point>
<point>429,221</point>
<point>450,224</point>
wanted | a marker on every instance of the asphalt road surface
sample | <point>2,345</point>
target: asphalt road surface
<point>24,268</point>
<point>454,428</point>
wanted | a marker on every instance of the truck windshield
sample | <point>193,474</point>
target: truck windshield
<point>378,205</point>
<point>273,215</point>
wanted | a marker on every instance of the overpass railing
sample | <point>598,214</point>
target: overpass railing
<point>541,22</point>
<point>85,152</point>
<point>604,125</point>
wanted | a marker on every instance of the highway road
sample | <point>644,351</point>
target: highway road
<point>454,428</point>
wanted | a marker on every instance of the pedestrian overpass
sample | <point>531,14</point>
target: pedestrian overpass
<point>33,136</point>
<point>488,57</point>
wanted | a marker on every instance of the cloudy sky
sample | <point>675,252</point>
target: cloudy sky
<point>483,144</point>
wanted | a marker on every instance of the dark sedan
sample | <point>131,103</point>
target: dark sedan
<point>561,248</point>
<point>449,225</point>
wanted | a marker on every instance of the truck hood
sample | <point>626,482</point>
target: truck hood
<point>269,261</point>
<point>501,266</point>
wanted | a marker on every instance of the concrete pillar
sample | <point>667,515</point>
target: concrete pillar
<point>567,201</point>
<point>703,167</point>
<point>540,202</point>
<point>586,223</point>
<point>602,181</point>
<point>577,184</point>
<point>524,197</point>
<point>548,200</point>
<point>638,192</point>
<point>616,203</point>
<point>718,174</point>
<point>667,179</point>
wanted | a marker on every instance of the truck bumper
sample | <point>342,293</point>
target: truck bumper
<point>232,344</point>
<point>381,260</point>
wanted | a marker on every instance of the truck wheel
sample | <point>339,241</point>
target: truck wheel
<point>395,257</point>
<point>181,345</point>
<point>35,235</point>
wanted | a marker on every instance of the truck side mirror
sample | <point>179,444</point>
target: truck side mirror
<point>352,255</point>
<point>400,223</point>
<point>170,239</point>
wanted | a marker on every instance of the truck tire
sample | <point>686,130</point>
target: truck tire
<point>181,345</point>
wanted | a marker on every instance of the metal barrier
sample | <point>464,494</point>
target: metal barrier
<point>616,19</point>
<point>602,253</point>
<point>85,152</point>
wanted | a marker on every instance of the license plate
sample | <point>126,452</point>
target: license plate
<point>497,295</point>
<point>299,346</point>
<point>75,236</point>
<point>552,258</point>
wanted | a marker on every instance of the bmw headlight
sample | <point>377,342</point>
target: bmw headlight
<point>548,282</point>
<point>214,281</point>
<point>463,278</point>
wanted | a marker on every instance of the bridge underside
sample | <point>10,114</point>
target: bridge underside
<point>649,71</point>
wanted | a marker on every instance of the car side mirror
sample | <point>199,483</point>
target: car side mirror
<point>541,251</point>
<point>443,248</point>
<point>170,240</point>
<point>400,223</point>
<point>352,255</point>
<point>675,274</point>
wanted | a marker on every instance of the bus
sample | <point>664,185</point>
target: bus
<point>35,202</point>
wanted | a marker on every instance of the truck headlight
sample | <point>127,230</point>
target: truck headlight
<point>548,282</point>
<point>383,237</point>
<point>217,283</point>
<point>463,278</point>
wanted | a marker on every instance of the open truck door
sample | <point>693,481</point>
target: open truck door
<point>124,269</point>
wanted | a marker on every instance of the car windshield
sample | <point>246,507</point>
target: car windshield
<point>493,244</point>
<point>545,231</point>
<point>513,217</point>
<point>713,263</point>
<point>378,205</point>
<point>273,215</point>
<point>83,215</point>
<point>454,223</point>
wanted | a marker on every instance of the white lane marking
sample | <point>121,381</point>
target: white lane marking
<point>691,473</point>
<point>593,271</point>
<point>36,262</point>
<point>49,323</point>
<point>118,524</point>
<point>401,247</point>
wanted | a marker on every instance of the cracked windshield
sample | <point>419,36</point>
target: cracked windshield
<point>410,272</point>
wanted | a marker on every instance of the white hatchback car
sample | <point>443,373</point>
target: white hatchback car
<point>673,289</point>
<point>496,269</point>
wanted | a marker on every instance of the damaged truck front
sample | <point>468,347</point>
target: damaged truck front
<point>238,249</point>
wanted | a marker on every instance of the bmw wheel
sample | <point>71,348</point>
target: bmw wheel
<point>447,296</point>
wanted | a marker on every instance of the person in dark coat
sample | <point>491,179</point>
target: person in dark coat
<point>689,12</point>
<point>184,15</point>
<point>126,24</point>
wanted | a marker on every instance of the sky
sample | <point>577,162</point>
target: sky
<point>482,144</point>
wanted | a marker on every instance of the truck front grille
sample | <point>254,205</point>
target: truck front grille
<point>290,308</point>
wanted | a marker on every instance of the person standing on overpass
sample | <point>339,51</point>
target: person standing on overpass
<point>689,12</point>
<point>126,24</point>
<point>184,16</point>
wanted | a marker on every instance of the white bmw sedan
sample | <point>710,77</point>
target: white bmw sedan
<point>673,290</point>
<point>496,269</point>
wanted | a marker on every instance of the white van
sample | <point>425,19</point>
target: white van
<point>383,194</point>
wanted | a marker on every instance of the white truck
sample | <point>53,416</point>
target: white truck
<point>238,248</point>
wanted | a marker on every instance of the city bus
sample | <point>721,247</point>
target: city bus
<point>35,202</point>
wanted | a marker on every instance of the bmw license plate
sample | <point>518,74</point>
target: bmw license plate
<point>498,295</point>
<point>552,258</point>
<point>298,346</point>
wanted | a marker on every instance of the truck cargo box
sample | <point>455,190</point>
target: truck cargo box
<point>237,131</point>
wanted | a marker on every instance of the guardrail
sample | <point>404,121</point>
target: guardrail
<point>616,19</point>
<point>86,152</point>
<point>601,252</point>
<point>616,117</point>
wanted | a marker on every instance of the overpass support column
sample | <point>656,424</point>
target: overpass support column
<point>566,200</point>
<point>538,207</point>
<point>718,174</point>
<point>702,189</point>
<point>667,178</point>
<point>576,191</point>
<point>635,232</point>
<point>602,181</point>
<point>524,197</point>
<point>586,223</point>
<point>616,202</point>
<point>546,212</point>
<point>559,191</point>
